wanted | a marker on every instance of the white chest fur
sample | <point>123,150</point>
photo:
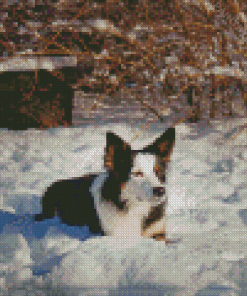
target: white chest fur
<point>117,222</point>
<point>120,223</point>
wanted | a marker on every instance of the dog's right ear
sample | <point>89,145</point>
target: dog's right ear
<point>164,144</point>
<point>162,147</point>
<point>117,154</point>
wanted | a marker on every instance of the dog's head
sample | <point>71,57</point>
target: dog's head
<point>137,175</point>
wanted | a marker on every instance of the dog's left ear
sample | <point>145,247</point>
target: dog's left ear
<point>162,147</point>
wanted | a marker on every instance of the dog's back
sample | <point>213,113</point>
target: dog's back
<point>72,201</point>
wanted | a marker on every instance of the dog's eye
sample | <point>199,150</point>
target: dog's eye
<point>137,174</point>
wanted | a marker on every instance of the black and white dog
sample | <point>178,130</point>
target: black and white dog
<point>128,200</point>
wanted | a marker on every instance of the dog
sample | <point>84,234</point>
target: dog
<point>127,200</point>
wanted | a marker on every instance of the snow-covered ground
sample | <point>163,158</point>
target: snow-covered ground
<point>207,198</point>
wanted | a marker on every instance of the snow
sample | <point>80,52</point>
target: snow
<point>206,211</point>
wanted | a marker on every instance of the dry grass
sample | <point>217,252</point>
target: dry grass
<point>187,50</point>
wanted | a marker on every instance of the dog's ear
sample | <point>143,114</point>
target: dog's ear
<point>118,155</point>
<point>162,147</point>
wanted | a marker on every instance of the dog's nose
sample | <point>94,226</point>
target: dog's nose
<point>158,191</point>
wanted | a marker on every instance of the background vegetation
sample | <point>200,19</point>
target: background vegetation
<point>185,56</point>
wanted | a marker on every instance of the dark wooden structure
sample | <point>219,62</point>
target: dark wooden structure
<point>29,101</point>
